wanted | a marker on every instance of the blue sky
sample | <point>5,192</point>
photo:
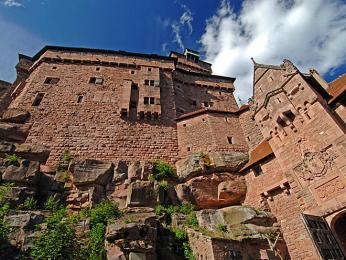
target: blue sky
<point>227,32</point>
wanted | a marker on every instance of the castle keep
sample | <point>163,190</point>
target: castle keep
<point>275,166</point>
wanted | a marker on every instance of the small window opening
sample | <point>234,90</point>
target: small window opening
<point>51,80</point>
<point>257,170</point>
<point>278,99</point>
<point>146,100</point>
<point>152,100</point>
<point>38,99</point>
<point>248,138</point>
<point>184,125</point>
<point>290,115</point>
<point>281,122</point>
<point>220,93</point>
<point>188,148</point>
<point>194,102</point>
<point>307,115</point>
<point>230,140</point>
<point>152,82</point>
<point>96,80</point>
<point>132,72</point>
<point>206,104</point>
<point>54,67</point>
<point>80,98</point>
<point>204,120</point>
<point>146,82</point>
<point>149,69</point>
<point>97,68</point>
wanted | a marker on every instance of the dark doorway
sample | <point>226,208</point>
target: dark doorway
<point>339,228</point>
<point>133,102</point>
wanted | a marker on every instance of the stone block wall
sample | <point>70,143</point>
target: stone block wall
<point>86,118</point>
<point>210,131</point>
<point>193,92</point>
<point>5,95</point>
<point>253,135</point>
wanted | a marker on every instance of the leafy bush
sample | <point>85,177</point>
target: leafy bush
<point>185,208</point>
<point>11,159</point>
<point>191,220</point>
<point>188,251</point>
<point>103,212</point>
<point>164,185</point>
<point>52,203</point>
<point>29,204</point>
<point>162,171</point>
<point>66,156</point>
<point>97,236</point>
<point>58,241</point>
<point>4,207</point>
<point>221,228</point>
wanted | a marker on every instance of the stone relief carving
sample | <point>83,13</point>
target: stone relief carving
<point>288,67</point>
<point>314,163</point>
<point>330,189</point>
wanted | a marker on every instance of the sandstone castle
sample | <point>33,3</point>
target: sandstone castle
<point>267,180</point>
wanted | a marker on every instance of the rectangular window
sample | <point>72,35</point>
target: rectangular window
<point>146,100</point>
<point>149,69</point>
<point>152,82</point>
<point>38,99</point>
<point>80,99</point>
<point>146,82</point>
<point>257,170</point>
<point>230,140</point>
<point>51,80</point>
<point>194,103</point>
<point>149,100</point>
<point>96,80</point>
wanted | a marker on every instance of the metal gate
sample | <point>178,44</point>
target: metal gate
<point>323,238</point>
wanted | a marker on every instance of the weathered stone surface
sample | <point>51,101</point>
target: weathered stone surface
<point>131,231</point>
<point>203,191</point>
<point>114,252</point>
<point>234,190</point>
<point>241,221</point>
<point>197,164</point>
<point>15,115</point>
<point>137,256</point>
<point>6,147</point>
<point>135,171</point>
<point>35,152</point>
<point>92,172</point>
<point>25,172</point>
<point>141,194</point>
<point>14,132</point>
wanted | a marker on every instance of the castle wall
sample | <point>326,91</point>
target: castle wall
<point>271,177</point>
<point>5,95</point>
<point>210,132</point>
<point>253,135</point>
<point>95,128</point>
<point>196,92</point>
<point>309,146</point>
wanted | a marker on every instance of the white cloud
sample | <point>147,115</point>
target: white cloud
<point>185,19</point>
<point>11,3</point>
<point>311,33</point>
